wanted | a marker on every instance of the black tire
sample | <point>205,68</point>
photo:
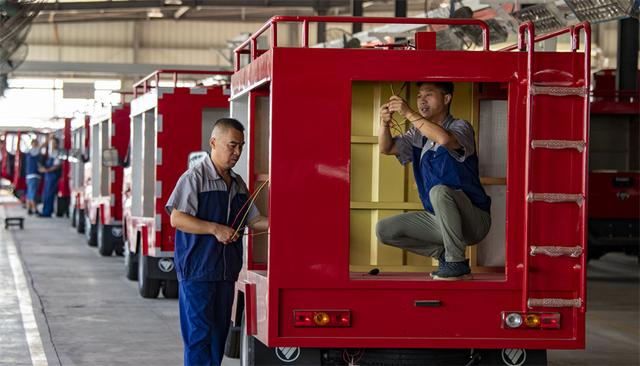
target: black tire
<point>130,263</point>
<point>80,221</point>
<point>90,232</point>
<point>149,288</point>
<point>74,218</point>
<point>105,244</point>
<point>170,289</point>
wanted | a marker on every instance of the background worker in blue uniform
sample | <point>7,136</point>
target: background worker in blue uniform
<point>32,164</point>
<point>206,201</point>
<point>445,166</point>
<point>52,171</point>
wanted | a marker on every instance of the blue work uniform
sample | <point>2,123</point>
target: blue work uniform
<point>50,183</point>
<point>434,164</point>
<point>32,160</point>
<point>206,269</point>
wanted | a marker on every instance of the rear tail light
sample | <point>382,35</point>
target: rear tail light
<point>322,318</point>
<point>517,320</point>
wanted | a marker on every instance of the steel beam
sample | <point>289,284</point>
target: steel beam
<point>87,68</point>
<point>141,4</point>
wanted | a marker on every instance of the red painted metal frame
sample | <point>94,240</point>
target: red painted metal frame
<point>19,182</point>
<point>64,189</point>
<point>181,112</point>
<point>144,84</point>
<point>310,135</point>
<point>272,26</point>
<point>4,170</point>
<point>110,209</point>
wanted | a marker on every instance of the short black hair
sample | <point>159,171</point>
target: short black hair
<point>227,123</point>
<point>445,86</point>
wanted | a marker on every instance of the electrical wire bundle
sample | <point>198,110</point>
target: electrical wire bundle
<point>248,204</point>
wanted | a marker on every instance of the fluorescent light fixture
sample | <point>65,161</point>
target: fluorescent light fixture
<point>155,13</point>
<point>596,11</point>
<point>545,17</point>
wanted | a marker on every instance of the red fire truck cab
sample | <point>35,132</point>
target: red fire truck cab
<point>319,289</point>
<point>168,126</point>
<point>109,137</point>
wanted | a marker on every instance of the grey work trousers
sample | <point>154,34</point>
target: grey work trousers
<point>457,223</point>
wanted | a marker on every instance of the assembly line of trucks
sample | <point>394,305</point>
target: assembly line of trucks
<point>319,288</point>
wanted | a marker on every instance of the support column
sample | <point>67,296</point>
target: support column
<point>357,11</point>
<point>627,74</point>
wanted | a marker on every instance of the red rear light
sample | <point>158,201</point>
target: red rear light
<point>322,318</point>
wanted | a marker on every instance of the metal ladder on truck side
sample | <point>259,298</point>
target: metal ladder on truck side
<point>555,250</point>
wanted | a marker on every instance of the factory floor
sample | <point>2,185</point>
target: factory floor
<point>61,303</point>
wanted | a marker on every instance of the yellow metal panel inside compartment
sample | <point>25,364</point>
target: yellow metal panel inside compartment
<point>380,185</point>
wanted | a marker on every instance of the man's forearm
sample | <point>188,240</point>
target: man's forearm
<point>190,224</point>
<point>385,140</point>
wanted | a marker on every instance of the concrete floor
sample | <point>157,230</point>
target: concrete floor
<point>88,313</point>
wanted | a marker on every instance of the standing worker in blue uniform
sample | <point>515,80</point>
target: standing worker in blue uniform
<point>52,171</point>
<point>445,167</point>
<point>32,164</point>
<point>207,200</point>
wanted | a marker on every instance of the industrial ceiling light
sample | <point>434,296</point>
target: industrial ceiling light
<point>172,2</point>
<point>545,17</point>
<point>155,13</point>
<point>596,11</point>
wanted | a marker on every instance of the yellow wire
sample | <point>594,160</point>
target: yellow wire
<point>251,201</point>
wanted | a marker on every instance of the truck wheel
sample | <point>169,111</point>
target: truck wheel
<point>170,289</point>
<point>74,217</point>
<point>105,244</point>
<point>149,288</point>
<point>90,232</point>
<point>130,263</point>
<point>80,221</point>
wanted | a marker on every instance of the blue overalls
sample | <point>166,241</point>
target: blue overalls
<point>32,159</point>
<point>207,270</point>
<point>50,185</point>
<point>436,167</point>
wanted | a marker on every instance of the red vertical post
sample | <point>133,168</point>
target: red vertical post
<point>64,190</point>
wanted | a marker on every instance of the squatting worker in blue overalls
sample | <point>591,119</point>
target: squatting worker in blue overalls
<point>445,167</point>
<point>52,170</point>
<point>32,164</point>
<point>208,252</point>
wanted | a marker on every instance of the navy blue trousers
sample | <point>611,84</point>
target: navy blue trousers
<point>205,317</point>
<point>49,195</point>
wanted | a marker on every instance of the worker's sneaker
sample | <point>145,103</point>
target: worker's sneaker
<point>451,271</point>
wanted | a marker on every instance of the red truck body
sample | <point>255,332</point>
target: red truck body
<point>167,125</point>
<point>306,273</point>
<point>103,191</point>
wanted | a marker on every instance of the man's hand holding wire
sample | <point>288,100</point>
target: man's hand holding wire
<point>385,115</point>
<point>225,234</point>
<point>397,104</point>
